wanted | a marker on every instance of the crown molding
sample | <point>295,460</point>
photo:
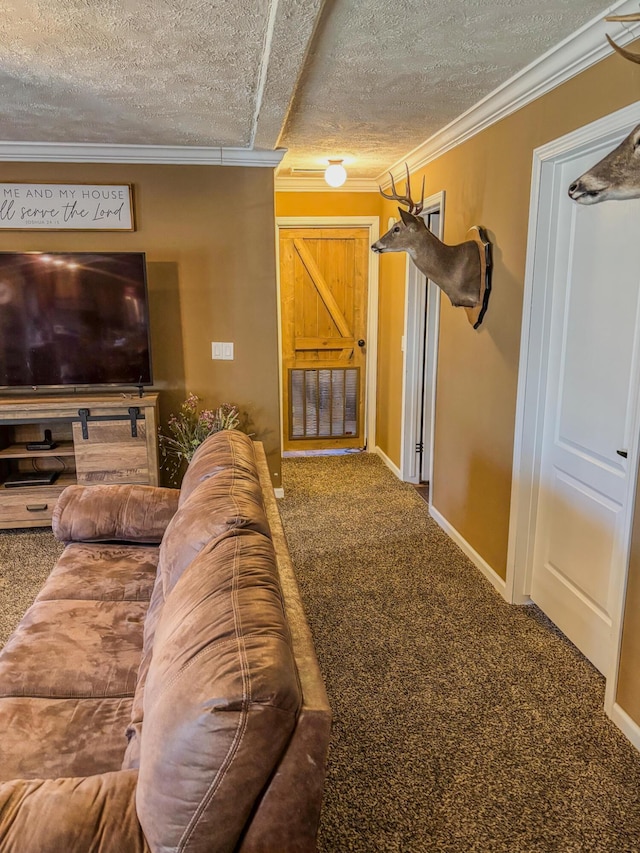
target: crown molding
<point>288,184</point>
<point>570,57</point>
<point>75,152</point>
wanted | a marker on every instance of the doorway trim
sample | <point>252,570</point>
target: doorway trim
<point>372,223</point>
<point>597,138</point>
<point>415,321</point>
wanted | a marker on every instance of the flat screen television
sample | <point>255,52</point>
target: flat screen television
<point>73,319</point>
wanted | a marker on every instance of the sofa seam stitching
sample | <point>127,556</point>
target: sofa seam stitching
<point>242,722</point>
<point>70,696</point>
<point>187,664</point>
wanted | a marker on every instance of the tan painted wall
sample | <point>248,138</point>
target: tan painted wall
<point>328,204</point>
<point>487,182</point>
<point>208,235</point>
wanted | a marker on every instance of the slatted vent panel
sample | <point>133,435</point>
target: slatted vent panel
<point>324,403</point>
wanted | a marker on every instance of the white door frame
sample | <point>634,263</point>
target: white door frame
<point>598,138</point>
<point>419,312</point>
<point>372,223</point>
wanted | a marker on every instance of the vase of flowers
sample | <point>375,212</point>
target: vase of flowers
<point>189,428</point>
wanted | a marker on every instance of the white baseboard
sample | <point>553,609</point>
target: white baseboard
<point>491,575</point>
<point>278,491</point>
<point>390,465</point>
<point>627,726</point>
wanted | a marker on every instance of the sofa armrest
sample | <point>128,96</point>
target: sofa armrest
<point>126,513</point>
<point>96,813</point>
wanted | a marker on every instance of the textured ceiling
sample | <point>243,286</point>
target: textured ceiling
<point>384,76</point>
<point>366,80</point>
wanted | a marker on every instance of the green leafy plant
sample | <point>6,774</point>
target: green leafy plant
<point>189,428</point>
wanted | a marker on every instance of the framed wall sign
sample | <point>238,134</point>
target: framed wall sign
<point>66,207</point>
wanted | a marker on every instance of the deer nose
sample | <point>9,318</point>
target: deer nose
<point>576,190</point>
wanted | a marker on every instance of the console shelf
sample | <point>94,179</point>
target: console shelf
<point>100,439</point>
<point>19,451</point>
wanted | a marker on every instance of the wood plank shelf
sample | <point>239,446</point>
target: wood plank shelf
<point>64,479</point>
<point>19,451</point>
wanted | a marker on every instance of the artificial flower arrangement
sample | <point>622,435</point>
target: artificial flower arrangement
<point>189,428</point>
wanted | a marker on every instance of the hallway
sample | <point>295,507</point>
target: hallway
<point>461,723</point>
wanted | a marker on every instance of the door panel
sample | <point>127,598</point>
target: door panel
<point>323,284</point>
<point>579,536</point>
<point>589,410</point>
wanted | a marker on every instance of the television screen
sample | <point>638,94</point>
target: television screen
<point>73,318</point>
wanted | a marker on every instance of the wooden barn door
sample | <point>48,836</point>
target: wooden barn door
<point>323,287</point>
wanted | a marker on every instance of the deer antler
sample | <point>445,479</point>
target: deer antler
<point>405,199</point>
<point>634,17</point>
<point>627,54</point>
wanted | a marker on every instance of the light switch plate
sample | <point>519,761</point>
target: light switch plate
<point>222,350</point>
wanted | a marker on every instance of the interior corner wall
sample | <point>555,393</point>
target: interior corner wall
<point>207,232</point>
<point>392,296</point>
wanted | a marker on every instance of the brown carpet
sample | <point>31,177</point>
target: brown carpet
<point>461,723</point>
<point>26,558</point>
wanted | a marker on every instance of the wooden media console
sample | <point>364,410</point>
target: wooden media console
<point>98,438</point>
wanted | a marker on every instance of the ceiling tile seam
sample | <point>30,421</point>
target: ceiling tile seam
<point>294,91</point>
<point>586,47</point>
<point>264,67</point>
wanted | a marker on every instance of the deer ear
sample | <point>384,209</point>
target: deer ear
<point>408,218</point>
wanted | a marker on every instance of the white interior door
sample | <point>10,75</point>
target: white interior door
<point>589,416</point>
<point>422,320</point>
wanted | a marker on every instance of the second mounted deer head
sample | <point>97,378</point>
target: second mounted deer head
<point>462,271</point>
<point>616,176</point>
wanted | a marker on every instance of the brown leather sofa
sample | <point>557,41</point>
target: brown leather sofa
<point>162,693</point>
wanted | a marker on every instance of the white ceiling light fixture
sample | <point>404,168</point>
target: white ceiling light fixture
<point>335,173</point>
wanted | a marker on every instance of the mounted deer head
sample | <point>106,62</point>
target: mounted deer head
<point>633,57</point>
<point>461,271</point>
<point>616,176</point>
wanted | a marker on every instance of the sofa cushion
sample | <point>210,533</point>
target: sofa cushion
<point>231,500</point>
<point>75,648</point>
<point>105,513</point>
<point>221,697</point>
<point>43,738</point>
<point>94,814</point>
<point>214,508</point>
<point>101,571</point>
<point>224,450</point>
